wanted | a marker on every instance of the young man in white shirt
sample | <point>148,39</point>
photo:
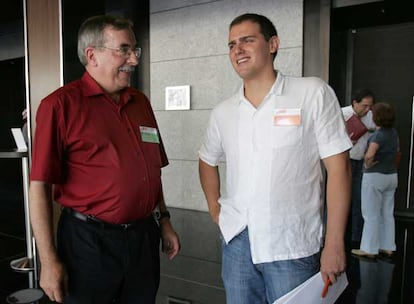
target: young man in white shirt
<point>273,134</point>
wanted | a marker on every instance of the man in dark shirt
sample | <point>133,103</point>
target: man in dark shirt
<point>98,153</point>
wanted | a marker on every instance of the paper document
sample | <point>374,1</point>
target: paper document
<point>310,291</point>
<point>19,139</point>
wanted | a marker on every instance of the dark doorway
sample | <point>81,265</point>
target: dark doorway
<point>384,61</point>
<point>12,216</point>
<point>376,53</point>
<point>11,107</point>
<point>371,46</point>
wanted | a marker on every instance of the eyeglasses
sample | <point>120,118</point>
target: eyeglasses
<point>124,50</point>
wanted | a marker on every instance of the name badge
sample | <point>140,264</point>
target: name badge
<point>287,117</point>
<point>149,135</point>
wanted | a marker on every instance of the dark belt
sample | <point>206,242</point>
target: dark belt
<point>95,221</point>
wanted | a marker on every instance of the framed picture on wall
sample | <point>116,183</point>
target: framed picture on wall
<point>177,98</point>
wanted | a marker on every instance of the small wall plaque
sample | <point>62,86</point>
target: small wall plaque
<point>177,98</point>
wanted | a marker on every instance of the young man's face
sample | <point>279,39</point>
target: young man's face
<point>362,108</point>
<point>250,53</point>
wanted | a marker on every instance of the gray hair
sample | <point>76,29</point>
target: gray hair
<point>91,32</point>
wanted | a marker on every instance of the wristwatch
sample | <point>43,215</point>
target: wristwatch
<point>163,214</point>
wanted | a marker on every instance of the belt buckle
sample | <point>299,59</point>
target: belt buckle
<point>91,218</point>
<point>126,226</point>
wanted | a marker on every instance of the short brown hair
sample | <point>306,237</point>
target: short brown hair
<point>267,28</point>
<point>383,115</point>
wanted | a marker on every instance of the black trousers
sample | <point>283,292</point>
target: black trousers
<point>108,265</point>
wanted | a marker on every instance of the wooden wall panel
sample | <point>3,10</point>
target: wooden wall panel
<point>44,58</point>
<point>44,50</point>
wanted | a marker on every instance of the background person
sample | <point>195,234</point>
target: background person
<point>379,182</point>
<point>362,101</point>
<point>273,133</point>
<point>97,143</point>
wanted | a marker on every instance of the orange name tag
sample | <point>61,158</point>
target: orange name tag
<point>287,117</point>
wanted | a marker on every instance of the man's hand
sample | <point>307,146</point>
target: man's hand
<point>333,261</point>
<point>53,280</point>
<point>170,240</point>
<point>215,212</point>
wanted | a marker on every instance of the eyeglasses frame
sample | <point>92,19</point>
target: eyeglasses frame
<point>125,51</point>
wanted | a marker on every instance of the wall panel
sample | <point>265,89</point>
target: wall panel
<point>44,50</point>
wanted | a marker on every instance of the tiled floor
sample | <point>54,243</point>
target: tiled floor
<point>384,280</point>
<point>194,276</point>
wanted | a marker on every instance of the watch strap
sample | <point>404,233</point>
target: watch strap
<point>163,214</point>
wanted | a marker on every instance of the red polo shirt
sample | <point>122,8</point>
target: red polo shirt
<point>95,153</point>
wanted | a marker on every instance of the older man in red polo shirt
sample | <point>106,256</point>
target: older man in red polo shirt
<point>97,142</point>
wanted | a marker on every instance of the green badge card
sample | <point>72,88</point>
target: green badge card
<point>149,135</point>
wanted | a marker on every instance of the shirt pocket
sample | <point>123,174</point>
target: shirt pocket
<point>152,153</point>
<point>286,136</point>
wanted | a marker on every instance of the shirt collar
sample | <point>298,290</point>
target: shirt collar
<point>91,88</point>
<point>276,89</point>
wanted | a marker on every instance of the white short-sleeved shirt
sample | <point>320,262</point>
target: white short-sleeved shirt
<point>358,150</point>
<point>274,175</point>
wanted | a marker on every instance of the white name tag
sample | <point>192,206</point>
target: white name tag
<point>149,134</point>
<point>287,117</point>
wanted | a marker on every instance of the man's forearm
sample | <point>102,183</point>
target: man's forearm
<point>338,197</point>
<point>333,258</point>
<point>161,202</point>
<point>41,217</point>
<point>210,183</point>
